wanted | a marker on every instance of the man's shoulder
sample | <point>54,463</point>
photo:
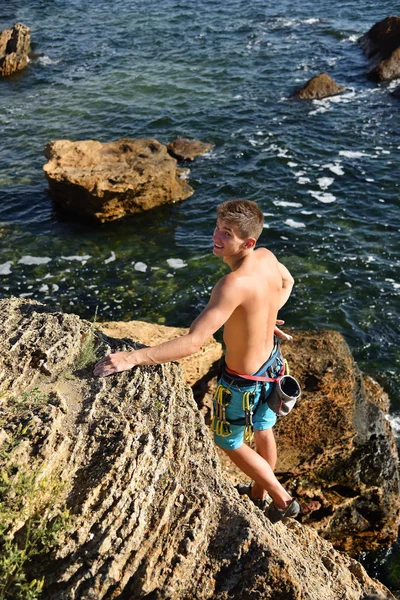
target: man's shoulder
<point>264,252</point>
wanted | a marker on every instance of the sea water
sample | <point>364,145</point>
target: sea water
<point>325,173</point>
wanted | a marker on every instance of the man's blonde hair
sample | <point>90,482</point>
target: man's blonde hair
<point>245,214</point>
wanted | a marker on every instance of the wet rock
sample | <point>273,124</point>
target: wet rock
<point>381,44</point>
<point>14,49</point>
<point>194,367</point>
<point>108,181</point>
<point>320,86</point>
<point>396,92</point>
<point>184,149</point>
<point>153,515</point>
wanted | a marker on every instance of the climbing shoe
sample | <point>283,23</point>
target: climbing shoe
<point>245,490</point>
<point>276,514</point>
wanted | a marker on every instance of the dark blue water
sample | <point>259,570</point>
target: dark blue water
<point>325,173</point>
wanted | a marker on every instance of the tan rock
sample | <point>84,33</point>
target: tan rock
<point>320,86</point>
<point>387,69</point>
<point>194,367</point>
<point>115,179</point>
<point>152,512</point>
<point>184,149</point>
<point>14,49</point>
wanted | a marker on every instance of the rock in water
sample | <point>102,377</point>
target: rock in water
<point>153,515</point>
<point>320,86</point>
<point>184,149</point>
<point>14,49</point>
<point>115,179</point>
<point>381,44</point>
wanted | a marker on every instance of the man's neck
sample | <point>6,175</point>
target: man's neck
<point>234,262</point>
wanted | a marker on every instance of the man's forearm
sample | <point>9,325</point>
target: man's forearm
<point>175,349</point>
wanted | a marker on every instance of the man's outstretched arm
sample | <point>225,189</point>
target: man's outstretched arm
<point>223,301</point>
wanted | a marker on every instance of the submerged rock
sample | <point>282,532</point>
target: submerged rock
<point>115,179</point>
<point>14,49</point>
<point>381,44</point>
<point>320,86</point>
<point>184,149</point>
<point>153,515</point>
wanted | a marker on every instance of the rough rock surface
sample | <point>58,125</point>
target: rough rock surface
<point>320,86</point>
<point>336,450</point>
<point>184,149</point>
<point>381,44</point>
<point>115,179</point>
<point>14,48</point>
<point>194,367</point>
<point>153,515</point>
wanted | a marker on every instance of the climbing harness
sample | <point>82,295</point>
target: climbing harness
<point>219,424</point>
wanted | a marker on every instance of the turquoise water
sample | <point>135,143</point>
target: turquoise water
<point>325,173</point>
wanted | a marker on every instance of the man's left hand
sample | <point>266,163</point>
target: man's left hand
<point>281,334</point>
<point>114,363</point>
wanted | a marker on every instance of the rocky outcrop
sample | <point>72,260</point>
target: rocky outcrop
<point>336,450</point>
<point>381,44</point>
<point>153,515</point>
<point>194,367</point>
<point>115,179</point>
<point>320,86</point>
<point>14,49</point>
<point>184,149</point>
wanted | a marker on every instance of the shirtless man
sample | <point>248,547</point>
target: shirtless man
<point>246,301</point>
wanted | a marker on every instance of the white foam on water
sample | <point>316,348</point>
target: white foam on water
<point>292,165</point>
<point>111,259</point>
<point>284,203</point>
<point>81,259</point>
<point>299,173</point>
<point>294,224</point>
<point>238,97</point>
<point>353,154</point>
<point>325,182</point>
<point>5,268</point>
<point>284,238</point>
<point>170,275</point>
<point>34,260</point>
<point>303,180</point>
<point>265,226</point>
<point>47,61</point>
<point>348,284</point>
<point>140,266</point>
<point>44,288</point>
<point>307,212</point>
<point>26,295</point>
<point>334,168</point>
<point>324,197</point>
<point>370,180</point>
<point>55,287</point>
<point>176,263</point>
<point>352,38</point>
<point>370,259</point>
<point>394,423</point>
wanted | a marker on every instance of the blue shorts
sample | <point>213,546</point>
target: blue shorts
<point>263,416</point>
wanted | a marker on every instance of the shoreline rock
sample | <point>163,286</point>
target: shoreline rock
<point>109,181</point>
<point>318,87</point>
<point>14,49</point>
<point>336,450</point>
<point>381,45</point>
<point>152,513</point>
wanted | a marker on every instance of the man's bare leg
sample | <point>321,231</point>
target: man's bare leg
<point>266,447</point>
<point>256,467</point>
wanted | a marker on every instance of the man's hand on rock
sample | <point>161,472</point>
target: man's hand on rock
<point>281,334</point>
<point>114,363</point>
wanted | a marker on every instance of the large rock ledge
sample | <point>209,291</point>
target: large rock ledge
<point>109,181</point>
<point>336,450</point>
<point>381,44</point>
<point>153,515</point>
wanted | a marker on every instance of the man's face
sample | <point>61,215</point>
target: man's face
<point>227,240</point>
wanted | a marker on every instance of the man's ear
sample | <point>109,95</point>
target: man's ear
<point>250,243</point>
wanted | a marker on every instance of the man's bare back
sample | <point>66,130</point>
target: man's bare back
<point>249,331</point>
